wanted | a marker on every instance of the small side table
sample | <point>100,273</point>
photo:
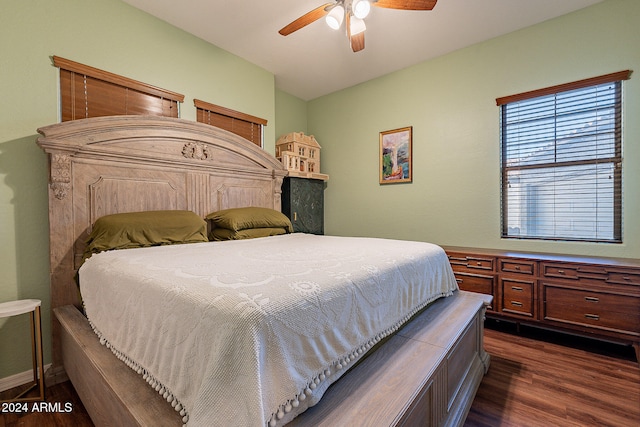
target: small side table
<point>31,306</point>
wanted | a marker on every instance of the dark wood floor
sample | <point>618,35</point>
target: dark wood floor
<point>542,378</point>
<point>537,378</point>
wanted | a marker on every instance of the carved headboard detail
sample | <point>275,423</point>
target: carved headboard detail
<point>114,164</point>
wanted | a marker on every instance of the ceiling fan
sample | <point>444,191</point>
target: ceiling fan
<point>352,12</point>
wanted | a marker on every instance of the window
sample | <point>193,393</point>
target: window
<point>244,125</point>
<point>561,161</point>
<point>89,92</point>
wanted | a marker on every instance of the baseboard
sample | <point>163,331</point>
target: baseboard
<point>18,379</point>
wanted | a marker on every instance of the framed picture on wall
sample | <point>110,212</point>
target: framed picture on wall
<point>396,162</point>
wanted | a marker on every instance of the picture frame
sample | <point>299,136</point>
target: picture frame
<point>396,156</point>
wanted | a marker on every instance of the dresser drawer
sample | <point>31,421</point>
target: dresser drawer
<point>624,277</point>
<point>518,297</point>
<point>517,266</point>
<point>480,263</point>
<point>592,273</point>
<point>560,271</point>
<point>462,262</point>
<point>595,309</point>
<point>475,283</point>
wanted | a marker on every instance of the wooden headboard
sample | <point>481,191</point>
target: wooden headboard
<point>114,164</point>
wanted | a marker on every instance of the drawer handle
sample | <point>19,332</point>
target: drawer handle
<point>626,278</point>
<point>516,288</point>
<point>459,280</point>
<point>517,267</point>
<point>516,303</point>
<point>478,263</point>
<point>591,299</point>
<point>560,271</point>
<point>592,316</point>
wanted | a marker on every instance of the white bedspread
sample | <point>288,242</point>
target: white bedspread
<point>252,332</point>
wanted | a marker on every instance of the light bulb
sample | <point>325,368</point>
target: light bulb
<point>356,25</point>
<point>361,8</point>
<point>335,17</point>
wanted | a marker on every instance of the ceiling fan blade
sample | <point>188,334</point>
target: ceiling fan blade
<point>406,4</point>
<point>357,42</point>
<point>306,19</point>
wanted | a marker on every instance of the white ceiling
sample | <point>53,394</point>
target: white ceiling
<point>316,60</point>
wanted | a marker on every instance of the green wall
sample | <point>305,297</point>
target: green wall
<point>450,102</point>
<point>291,112</point>
<point>115,37</point>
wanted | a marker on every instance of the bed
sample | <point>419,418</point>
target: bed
<point>105,167</point>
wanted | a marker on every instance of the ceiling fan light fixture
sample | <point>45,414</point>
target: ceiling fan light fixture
<point>361,8</point>
<point>356,25</point>
<point>335,17</point>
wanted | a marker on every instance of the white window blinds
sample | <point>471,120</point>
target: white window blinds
<point>561,161</point>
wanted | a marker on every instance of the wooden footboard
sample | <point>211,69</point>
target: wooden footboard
<point>426,374</point>
<point>112,393</point>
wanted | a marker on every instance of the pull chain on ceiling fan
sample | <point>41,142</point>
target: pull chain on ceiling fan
<point>352,12</point>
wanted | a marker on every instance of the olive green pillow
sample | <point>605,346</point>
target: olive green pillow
<point>141,229</point>
<point>237,219</point>
<point>249,233</point>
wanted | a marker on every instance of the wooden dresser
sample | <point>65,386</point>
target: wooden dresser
<point>590,296</point>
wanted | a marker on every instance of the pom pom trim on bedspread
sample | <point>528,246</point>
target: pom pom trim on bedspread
<point>339,364</point>
<point>150,379</point>
<point>343,361</point>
